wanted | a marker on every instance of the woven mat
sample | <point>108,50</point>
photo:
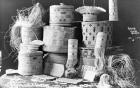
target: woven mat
<point>41,81</point>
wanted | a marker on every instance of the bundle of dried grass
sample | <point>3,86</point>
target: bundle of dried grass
<point>28,17</point>
<point>100,60</point>
<point>121,68</point>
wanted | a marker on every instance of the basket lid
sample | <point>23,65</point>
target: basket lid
<point>90,10</point>
<point>62,5</point>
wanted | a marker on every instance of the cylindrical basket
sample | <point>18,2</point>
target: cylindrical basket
<point>113,10</point>
<point>30,63</point>
<point>90,30</point>
<point>29,34</point>
<point>86,57</point>
<point>56,38</point>
<point>29,47</point>
<point>72,53</point>
<point>61,14</point>
<point>87,53</point>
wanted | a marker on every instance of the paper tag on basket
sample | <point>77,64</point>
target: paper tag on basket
<point>90,75</point>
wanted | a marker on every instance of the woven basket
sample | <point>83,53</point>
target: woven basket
<point>90,30</point>
<point>72,48</point>
<point>29,34</point>
<point>61,14</point>
<point>86,53</point>
<point>56,38</point>
<point>29,47</point>
<point>113,10</point>
<point>86,57</point>
<point>30,63</point>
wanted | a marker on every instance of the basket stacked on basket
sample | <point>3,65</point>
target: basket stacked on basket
<point>56,37</point>
<point>96,36</point>
<point>27,28</point>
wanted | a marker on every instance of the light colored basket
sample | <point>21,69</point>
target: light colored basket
<point>72,53</point>
<point>87,53</point>
<point>29,47</point>
<point>86,57</point>
<point>56,38</point>
<point>90,30</point>
<point>30,63</point>
<point>61,14</point>
<point>113,10</point>
<point>90,13</point>
<point>29,34</point>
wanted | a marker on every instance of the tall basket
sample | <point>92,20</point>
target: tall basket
<point>90,30</point>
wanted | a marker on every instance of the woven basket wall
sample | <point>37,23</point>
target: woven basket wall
<point>90,30</point>
<point>56,38</point>
<point>30,63</point>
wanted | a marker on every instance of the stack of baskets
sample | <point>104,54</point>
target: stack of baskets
<point>56,37</point>
<point>30,58</point>
<point>90,28</point>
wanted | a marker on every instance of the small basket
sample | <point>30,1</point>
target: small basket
<point>61,14</point>
<point>86,53</point>
<point>90,30</point>
<point>56,38</point>
<point>28,34</point>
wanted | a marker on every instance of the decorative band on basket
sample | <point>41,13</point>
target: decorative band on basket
<point>61,14</point>
<point>90,30</point>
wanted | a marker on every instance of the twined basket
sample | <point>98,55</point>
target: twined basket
<point>61,14</point>
<point>29,34</point>
<point>87,56</point>
<point>56,38</point>
<point>90,30</point>
<point>30,63</point>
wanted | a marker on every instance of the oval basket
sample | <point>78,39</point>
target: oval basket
<point>61,14</point>
<point>90,30</point>
<point>56,38</point>
<point>30,63</point>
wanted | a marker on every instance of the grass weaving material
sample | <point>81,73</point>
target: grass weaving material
<point>28,17</point>
<point>121,68</point>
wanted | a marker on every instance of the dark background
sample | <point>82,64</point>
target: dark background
<point>129,16</point>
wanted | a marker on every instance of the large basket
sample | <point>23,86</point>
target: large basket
<point>29,34</point>
<point>90,30</point>
<point>30,63</point>
<point>56,38</point>
<point>61,14</point>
